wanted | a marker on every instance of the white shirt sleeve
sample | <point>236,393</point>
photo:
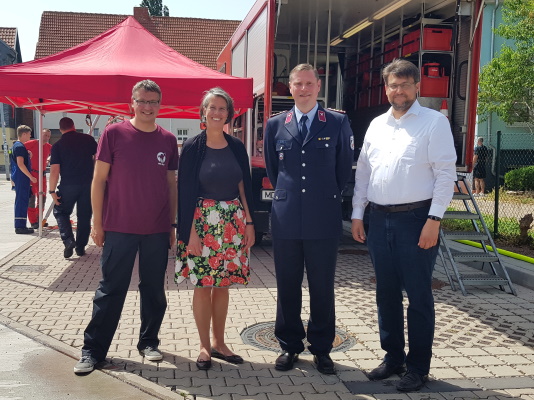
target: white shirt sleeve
<point>442,157</point>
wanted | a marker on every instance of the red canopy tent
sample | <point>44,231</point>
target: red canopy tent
<point>96,77</point>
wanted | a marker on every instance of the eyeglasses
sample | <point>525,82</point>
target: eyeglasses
<point>403,86</point>
<point>152,103</point>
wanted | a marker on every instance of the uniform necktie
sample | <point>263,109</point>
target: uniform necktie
<point>304,127</point>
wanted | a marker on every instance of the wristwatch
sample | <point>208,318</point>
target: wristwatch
<point>51,191</point>
<point>434,218</point>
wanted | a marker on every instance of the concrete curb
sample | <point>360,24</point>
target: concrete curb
<point>18,251</point>
<point>143,384</point>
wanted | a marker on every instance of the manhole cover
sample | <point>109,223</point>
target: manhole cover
<point>261,335</point>
<point>353,251</point>
<point>27,268</point>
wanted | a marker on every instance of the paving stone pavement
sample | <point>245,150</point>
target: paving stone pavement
<point>483,347</point>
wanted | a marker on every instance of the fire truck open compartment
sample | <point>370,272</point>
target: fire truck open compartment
<point>349,42</point>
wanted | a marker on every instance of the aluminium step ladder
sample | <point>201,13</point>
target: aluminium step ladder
<point>496,273</point>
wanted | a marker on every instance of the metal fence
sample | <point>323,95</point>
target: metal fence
<point>506,207</point>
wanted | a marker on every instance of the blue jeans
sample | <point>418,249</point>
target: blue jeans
<point>401,264</point>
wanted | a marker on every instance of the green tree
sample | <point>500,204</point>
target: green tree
<point>155,8</point>
<point>506,85</point>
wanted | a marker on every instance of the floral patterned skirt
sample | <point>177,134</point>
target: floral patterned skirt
<point>221,227</point>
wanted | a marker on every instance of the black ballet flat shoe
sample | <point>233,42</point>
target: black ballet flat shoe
<point>203,365</point>
<point>233,359</point>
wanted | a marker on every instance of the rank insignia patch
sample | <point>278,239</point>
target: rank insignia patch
<point>289,117</point>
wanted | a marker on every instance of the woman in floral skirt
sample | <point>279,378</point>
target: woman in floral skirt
<point>215,228</point>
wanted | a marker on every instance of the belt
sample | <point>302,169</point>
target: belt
<point>392,208</point>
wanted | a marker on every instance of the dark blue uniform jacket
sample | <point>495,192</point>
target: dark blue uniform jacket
<point>308,177</point>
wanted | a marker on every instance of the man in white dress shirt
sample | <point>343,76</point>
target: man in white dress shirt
<point>406,171</point>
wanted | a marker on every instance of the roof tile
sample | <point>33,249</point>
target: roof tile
<point>199,39</point>
<point>9,36</point>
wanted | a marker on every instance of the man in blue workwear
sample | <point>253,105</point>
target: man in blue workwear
<point>22,178</point>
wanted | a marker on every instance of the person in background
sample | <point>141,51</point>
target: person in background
<point>134,204</point>
<point>308,153</point>
<point>406,172</point>
<point>36,200</point>
<point>479,170</point>
<point>72,158</point>
<point>215,223</point>
<point>22,178</point>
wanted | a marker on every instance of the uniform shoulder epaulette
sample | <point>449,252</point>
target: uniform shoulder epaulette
<point>278,113</point>
<point>339,111</point>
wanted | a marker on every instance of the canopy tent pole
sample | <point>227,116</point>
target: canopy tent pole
<point>40,196</point>
<point>6,155</point>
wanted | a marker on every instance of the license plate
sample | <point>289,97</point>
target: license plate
<point>267,194</point>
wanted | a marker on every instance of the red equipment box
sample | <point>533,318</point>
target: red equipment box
<point>434,83</point>
<point>433,39</point>
<point>375,95</point>
<point>410,42</point>
<point>377,61</point>
<point>365,80</point>
<point>365,63</point>
<point>391,51</point>
<point>363,98</point>
<point>376,78</point>
<point>384,99</point>
<point>434,86</point>
<point>437,39</point>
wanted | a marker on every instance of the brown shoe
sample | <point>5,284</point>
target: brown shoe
<point>385,370</point>
<point>411,382</point>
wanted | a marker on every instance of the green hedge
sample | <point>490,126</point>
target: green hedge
<point>520,179</point>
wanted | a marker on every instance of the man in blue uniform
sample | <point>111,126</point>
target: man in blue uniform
<point>22,178</point>
<point>308,153</point>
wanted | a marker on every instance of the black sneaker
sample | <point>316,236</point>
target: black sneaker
<point>80,251</point>
<point>69,249</point>
<point>85,365</point>
<point>24,231</point>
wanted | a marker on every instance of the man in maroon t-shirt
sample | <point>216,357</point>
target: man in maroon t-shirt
<point>134,202</point>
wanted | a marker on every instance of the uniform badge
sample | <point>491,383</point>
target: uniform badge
<point>352,142</point>
<point>322,115</point>
<point>289,117</point>
<point>281,155</point>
